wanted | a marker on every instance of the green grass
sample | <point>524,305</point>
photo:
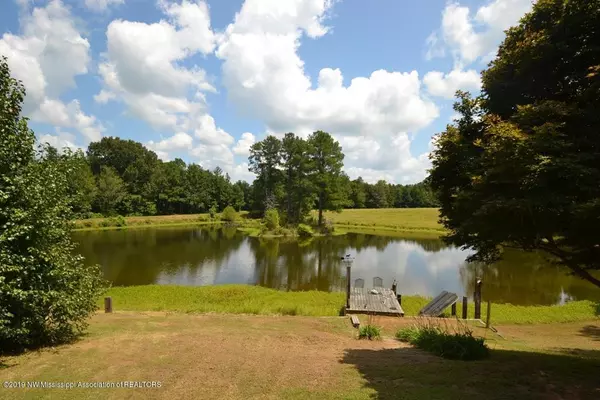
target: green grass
<point>147,221</point>
<point>417,220</point>
<point>246,299</point>
<point>236,299</point>
<point>404,222</point>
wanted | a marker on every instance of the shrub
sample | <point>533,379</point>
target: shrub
<point>369,332</point>
<point>272,219</point>
<point>460,345</point>
<point>47,292</point>
<point>305,231</point>
<point>119,220</point>
<point>88,224</point>
<point>105,223</point>
<point>212,211</point>
<point>229,214</point>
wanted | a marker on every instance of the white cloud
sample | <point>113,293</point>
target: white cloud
<point>143,68</point>
<point>38,58</point>
<point>240,173</point>
<point>56,113</point>
<point>445,85</point>
<point>242,147</point>
<point>385,158</point>
<point>60,140</point>
<point>475,38</point>
<point>163,148</point>
<point>265,77</point>
<point>101,5</point>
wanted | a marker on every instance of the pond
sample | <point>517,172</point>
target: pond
<point>210,256</point>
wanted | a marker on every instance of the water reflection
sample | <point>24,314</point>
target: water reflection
<point>194,256</point>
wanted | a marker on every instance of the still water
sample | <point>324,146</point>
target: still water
<point>210,256</point>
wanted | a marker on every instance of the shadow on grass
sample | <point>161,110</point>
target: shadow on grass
<point>408,373</point>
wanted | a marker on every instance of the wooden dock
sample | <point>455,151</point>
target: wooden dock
<point>362,301</point>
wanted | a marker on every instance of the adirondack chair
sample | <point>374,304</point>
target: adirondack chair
<point>359,283</point>
<point>437,306</point>
<point>377,282</point>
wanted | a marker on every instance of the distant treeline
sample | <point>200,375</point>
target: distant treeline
<point>116,176</point>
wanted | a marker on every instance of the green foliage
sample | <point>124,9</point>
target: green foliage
<point>46,291</point>
<point>111,191</point>
<point>327,162</point>
<point>370,332</point>
<point>212,212</point>
<point>520,168</point>
<point>305,231</point>
<point>461,345</point>
<point>229,214</point>
<point>271,219</point>
<point>118,221</point>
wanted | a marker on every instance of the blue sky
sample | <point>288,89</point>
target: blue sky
<point>203,80</point>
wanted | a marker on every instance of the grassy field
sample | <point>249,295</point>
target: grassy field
<point>148,221</point>
<point>417,222</point>
<point>246,299</point>
<point>267,357</point>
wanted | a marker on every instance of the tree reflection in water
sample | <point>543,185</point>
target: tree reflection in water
<point>204,256</point>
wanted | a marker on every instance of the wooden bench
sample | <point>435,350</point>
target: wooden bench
<point>355,321</point>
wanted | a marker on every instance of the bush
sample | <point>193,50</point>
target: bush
<point>305,231</point>
<point>369,332</point>
<point>229,214</point>
<point>460,345</point>
<point>88,224</point>
<point>212,211</point>
<point>47,293</point>
<point>119,220</point>
<point>271,219</point>
<point>105,223</point>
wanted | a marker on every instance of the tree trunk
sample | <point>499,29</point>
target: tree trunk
<point>321,208</point>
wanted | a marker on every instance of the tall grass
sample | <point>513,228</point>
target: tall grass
<point>456,343</point>
<point>258,300</point>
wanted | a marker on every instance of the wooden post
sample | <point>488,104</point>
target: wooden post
<point>489,311</point>
<point>108,304</point>
<point>477,297</point>
<point>453,309</point>
<point>394,287</point>
<point>348,287</point>
<point>399,298</point>
<point>464,310</point>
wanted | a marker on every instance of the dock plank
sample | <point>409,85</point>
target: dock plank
<point>382,303</point>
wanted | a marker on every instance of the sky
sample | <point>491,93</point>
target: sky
<point>203,80</point>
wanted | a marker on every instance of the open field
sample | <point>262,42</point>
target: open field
<point>394,219</point>
<point>417,222</point>
<point>262,357</point>
<point>246,299</point>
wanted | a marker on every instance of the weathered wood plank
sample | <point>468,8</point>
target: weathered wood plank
<point>382,303</point>
<point>355,321</point>
<point>439,304</point>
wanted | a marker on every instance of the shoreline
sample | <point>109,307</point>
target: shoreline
<point>249,226</point>
<point>258,300</point>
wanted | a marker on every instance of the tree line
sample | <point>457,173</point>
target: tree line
<point>122,177</point>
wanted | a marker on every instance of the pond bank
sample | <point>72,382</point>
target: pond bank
<point>398,222</point>
<point>246,299</point>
